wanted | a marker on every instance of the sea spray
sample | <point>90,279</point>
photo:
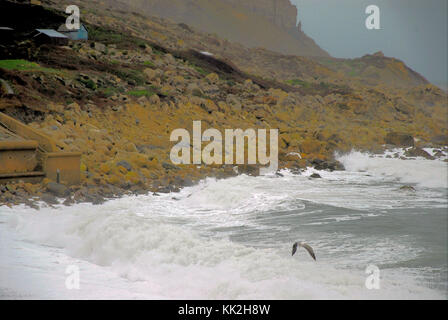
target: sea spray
<point>232,238</point>
<point>424,173</point>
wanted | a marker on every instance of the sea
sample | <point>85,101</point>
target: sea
<point>378,230</point>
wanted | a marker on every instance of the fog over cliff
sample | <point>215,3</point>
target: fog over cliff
<point>269,24</point>
<point>414,31</point>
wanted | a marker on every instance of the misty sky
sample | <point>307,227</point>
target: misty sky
<point>414,31</point>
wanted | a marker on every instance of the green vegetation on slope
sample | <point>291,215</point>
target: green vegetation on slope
<point>23,65</point>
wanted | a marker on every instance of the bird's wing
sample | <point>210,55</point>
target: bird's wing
<point>294,248</point>
<point>310,250</point>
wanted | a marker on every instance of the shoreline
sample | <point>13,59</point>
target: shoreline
<point>97,195</point>
<point>150,240</point>
<point>52,193</point>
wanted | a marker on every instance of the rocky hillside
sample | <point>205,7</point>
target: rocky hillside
<point>268,24</point>
<point>128,18</point>
<point>374,69</point>
<point>117,97</point>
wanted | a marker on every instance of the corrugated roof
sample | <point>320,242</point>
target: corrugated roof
<point>51,33</point>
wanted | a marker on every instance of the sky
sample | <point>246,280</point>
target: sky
<point>414,31</point>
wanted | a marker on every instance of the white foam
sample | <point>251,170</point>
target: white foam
<point>161,260</point>
<point>425,173</point>
<point>164,246</point>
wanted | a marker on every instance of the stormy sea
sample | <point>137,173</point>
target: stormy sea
<point>232,238</point>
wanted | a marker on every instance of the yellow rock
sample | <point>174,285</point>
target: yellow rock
<point>122,169</point>
<point>178,80</point>
<point>132,177</point>
<point>212,78</point>
<point>114,180</point>
<point>154,163</point>
<point>130,147</point>
<point>146,173</point>
<point>154,100</point>
<point>150,74</point>
<point>168,89</point>
<point>310,146</point>
<point>30,188</point>
<point>106,168</point>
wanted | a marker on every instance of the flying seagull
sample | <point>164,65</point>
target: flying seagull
<point>303,245</point>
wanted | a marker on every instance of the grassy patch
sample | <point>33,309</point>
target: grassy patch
<point>157,51</point>
<point>149,64</point>
<point>200,70</point>
<point>129,74</point>
<point>24,65</point>
<point>104,36</point>
<point>298,82</point>
<point>88,83</point>
<point>108,92</point>
<point>140,93</point>
<point>353,73</point>
<point>324,85</point>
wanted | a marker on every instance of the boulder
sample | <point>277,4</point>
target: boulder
<point>99,47</point>
<point>438,153</point>
<point>5,88</point>
<point>148,49</point>
<point>49,198</point>
<point>57,189</point>
<point>169,166</point>
<point>327,165</point>
<point>177,81</point>
<point>233,102</point>
<point>407,188</point>
<point>212,78</point>
<point>194,90</point>
<point>150,74</point>
<point>211,90</point>
<point>248,85</point>
<point>418,152</point>
<point>248,169</point>
<point>441,140</point>
<point>125,165</point>
<point>209,106</point>
<point>129,147</point>
<point>169,58</point>
<point>399,139</point>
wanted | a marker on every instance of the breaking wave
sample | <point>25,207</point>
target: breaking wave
<point>422,172</point>
<point>231,238</point>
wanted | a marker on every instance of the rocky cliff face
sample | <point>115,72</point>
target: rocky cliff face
<point>280,12</point>
<point>283,15</point>
<point>270,24</point>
